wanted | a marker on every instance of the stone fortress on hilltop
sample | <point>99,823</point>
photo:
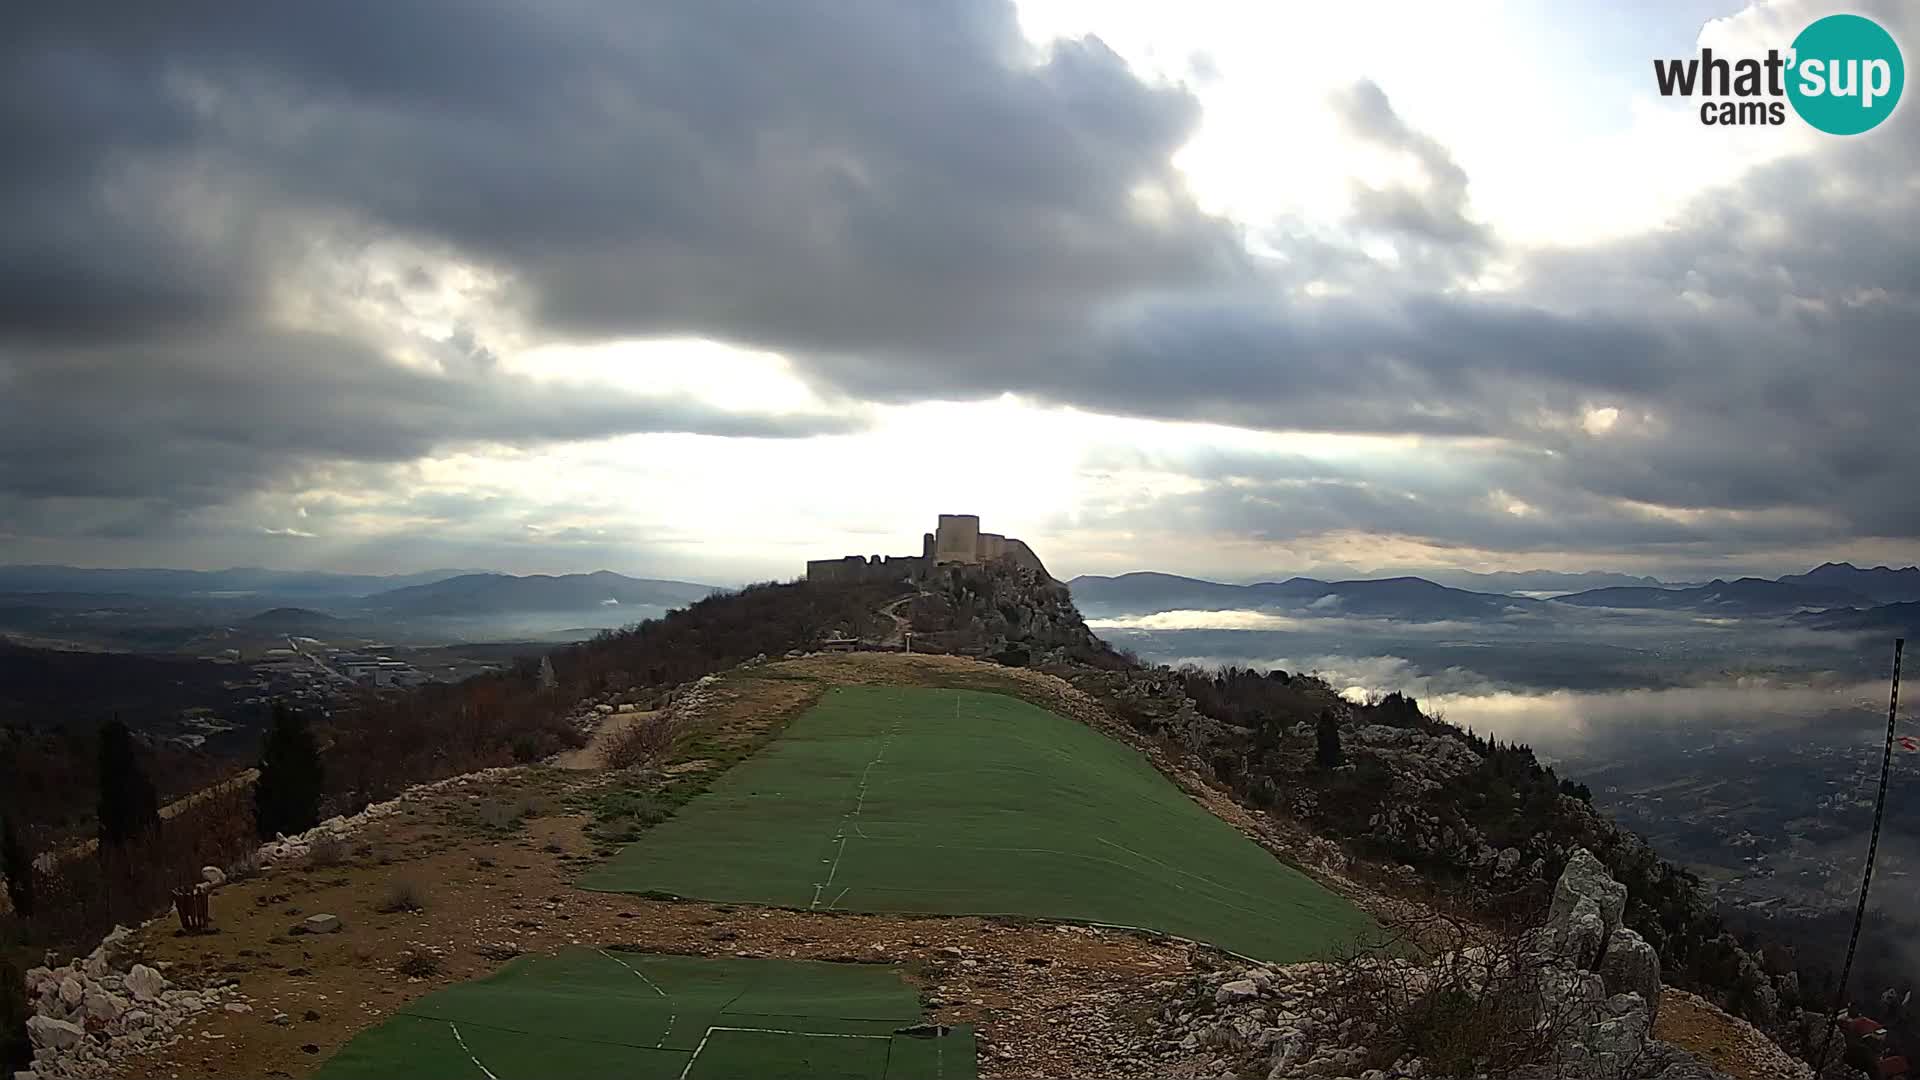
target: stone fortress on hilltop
<point>957,539</point>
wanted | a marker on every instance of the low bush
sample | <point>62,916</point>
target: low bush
<point>643,742</point>
<point>327,851</point>
<point>419,964</point>
<point>403,895</point>
<point>1465,999</point>
<point>246,867</point>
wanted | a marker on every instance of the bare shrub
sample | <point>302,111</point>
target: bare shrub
<point>419,964</point>
<point>1466,999</point>
<point>244,868</point>
<point>327,851</point>
<point>640,743</point>
<point>403,895</point>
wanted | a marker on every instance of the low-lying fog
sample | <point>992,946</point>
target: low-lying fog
<point>1582,683</point>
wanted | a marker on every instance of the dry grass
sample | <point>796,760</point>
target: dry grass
<point>503,815</point>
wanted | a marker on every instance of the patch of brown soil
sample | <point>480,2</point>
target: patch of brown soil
<point>488,897</point>
<point>1727,1043</point>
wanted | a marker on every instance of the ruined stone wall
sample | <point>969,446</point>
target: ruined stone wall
<point>853,569</point>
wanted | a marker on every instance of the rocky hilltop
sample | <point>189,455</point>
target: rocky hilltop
<point>1524,935</point>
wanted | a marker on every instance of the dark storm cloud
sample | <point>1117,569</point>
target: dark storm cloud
<point>817,176</point>
<point>911,202</point>
<point>191,421</point>
<point>879,182</point>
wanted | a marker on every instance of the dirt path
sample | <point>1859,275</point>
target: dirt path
<point>594,754</point>
<point>901,623</point>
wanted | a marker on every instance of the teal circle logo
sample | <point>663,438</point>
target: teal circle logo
<point>1847,74</point>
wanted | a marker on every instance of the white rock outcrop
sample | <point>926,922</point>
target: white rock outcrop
<point>91,1015</point>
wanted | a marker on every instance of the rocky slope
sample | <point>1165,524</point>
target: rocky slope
<point>1574,999</point>
<point>1416,806</point>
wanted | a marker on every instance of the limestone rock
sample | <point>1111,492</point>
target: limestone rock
<point>1506,862</point>
<point>54,1034</point>
<point>1236,990</point>
<point>1582,935</point>
<point>1586,877</point>
<point>104,1006</point>
<point>71,992</point>
<point>213,876</point>
<point>1631,966</point>
<point>144,983</point>
<point>322,924</point>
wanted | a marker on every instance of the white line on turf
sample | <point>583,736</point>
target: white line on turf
<point>476,1061</point>
<point>853,817</point>
<point>769,1031</point>
<point>672,1017</point>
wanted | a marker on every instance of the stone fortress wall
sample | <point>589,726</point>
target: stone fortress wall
<point>957,539</point>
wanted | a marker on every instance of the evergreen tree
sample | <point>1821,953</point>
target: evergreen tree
<point>286,798</point>
<point>129,805</point>
<point>1327,732</point>
<point>16,1048</point>
<point>18,866</point>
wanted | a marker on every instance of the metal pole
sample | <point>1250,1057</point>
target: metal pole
<point>1873,845</point>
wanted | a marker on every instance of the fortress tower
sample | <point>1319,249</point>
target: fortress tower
<point>956,539</point>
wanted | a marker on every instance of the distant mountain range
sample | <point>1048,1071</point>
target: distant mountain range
<point>1880,584</point>
<point>1900,620</point>
<point>209,584</point>
<point>1745,596</point>
<point>500,594</point>
<point>1541,581</point>
<point>1846,591</point>
<point>309,601</point>
<point>1400,598</point>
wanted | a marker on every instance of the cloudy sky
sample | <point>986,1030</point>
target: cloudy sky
<point>705,289</point>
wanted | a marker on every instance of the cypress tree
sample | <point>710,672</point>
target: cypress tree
<point>286,798</point>
<point>128,804</point>
<point>16,1049</point>
<point>1327,732</point>
<point>15,863</point>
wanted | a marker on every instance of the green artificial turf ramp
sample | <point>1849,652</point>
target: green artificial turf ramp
<point>637,1016</point>
<point>965,803</point>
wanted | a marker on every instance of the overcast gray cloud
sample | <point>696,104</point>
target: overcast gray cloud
<point>909,201</point>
